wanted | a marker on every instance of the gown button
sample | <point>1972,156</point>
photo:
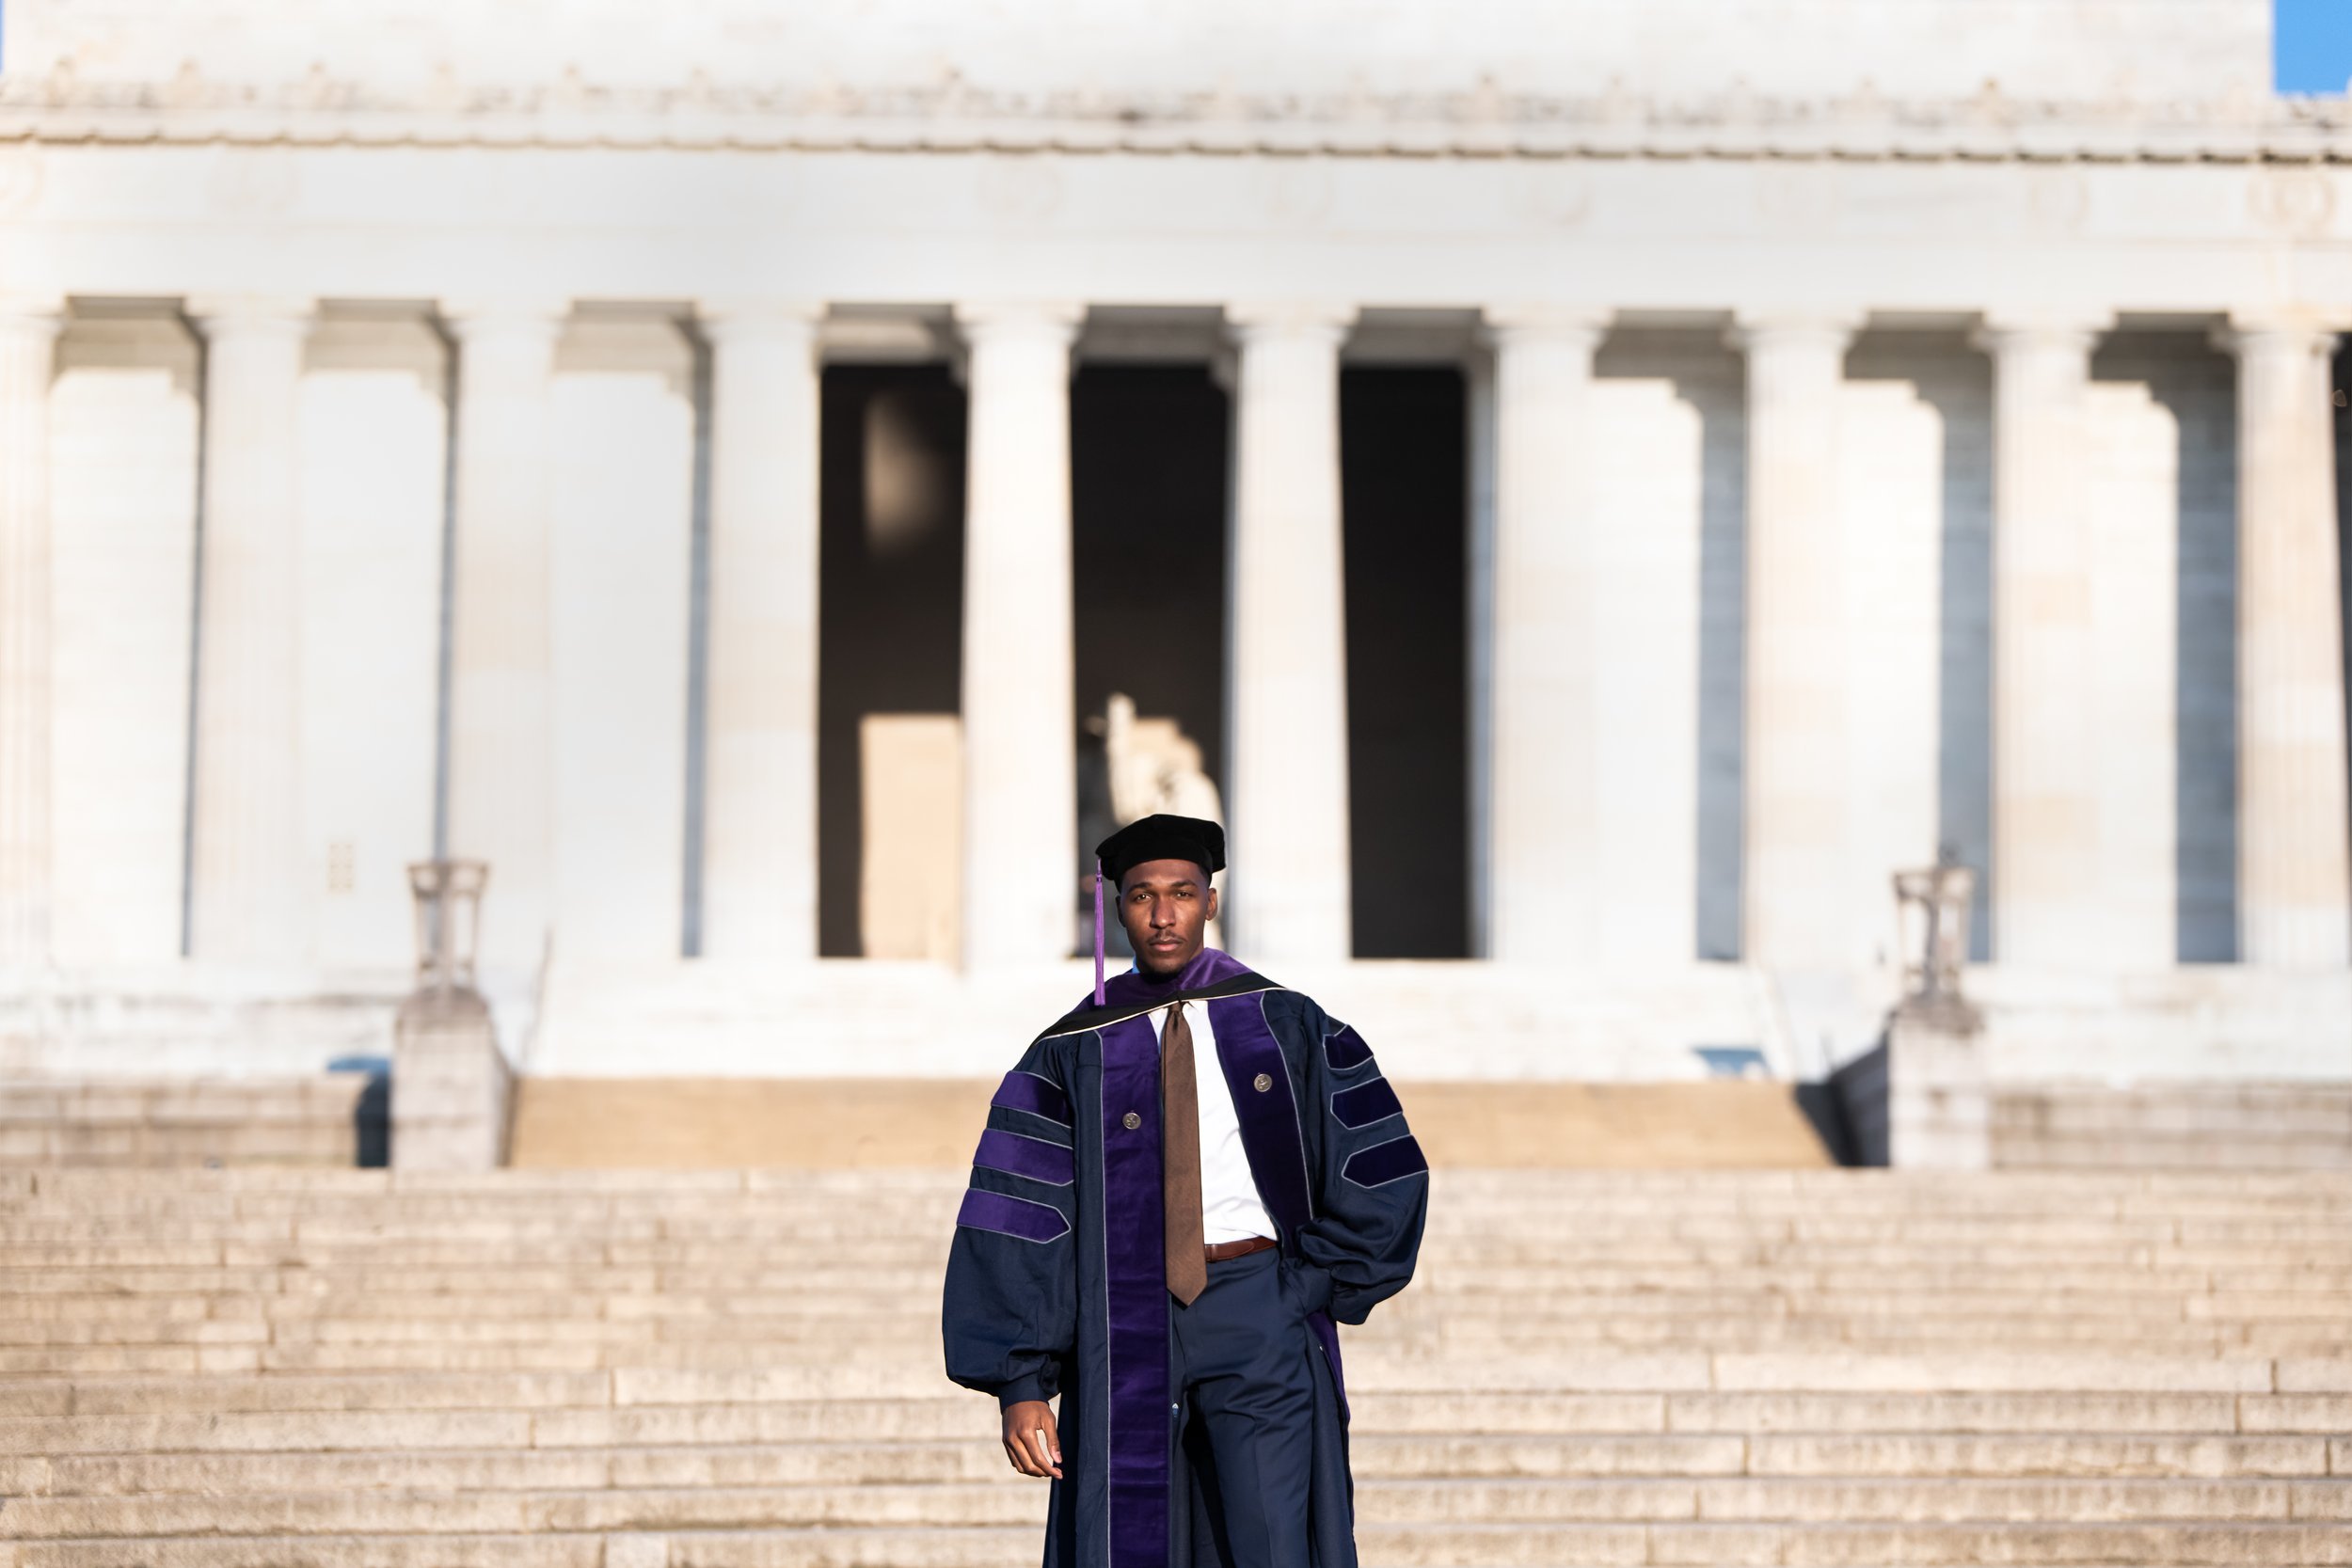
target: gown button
<point>1265,1082</point>
<point>1130,1121</point>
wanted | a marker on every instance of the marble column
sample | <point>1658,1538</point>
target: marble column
<point>2295,884</point>
<point>502,717</point>
<point>1478,388</point>
<point>1546,822</point>
<point>247,901</point>
<point>1019,894</point>
<point>759,792</point>
<point>2046,885</point>
<point>1288,674</point>
<point>1797,895</point>
<point>28,336</point>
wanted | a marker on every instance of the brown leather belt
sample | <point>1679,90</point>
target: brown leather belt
<point>1223,1252</point>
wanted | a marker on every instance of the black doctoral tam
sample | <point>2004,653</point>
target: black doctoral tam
<point>1163,837</point>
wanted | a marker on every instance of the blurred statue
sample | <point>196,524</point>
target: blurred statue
<point>1932,907</point>
<point>1155,767</point>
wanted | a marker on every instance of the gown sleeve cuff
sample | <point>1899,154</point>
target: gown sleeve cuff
<point>1034,1386</point>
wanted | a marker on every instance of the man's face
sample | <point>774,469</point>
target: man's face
<point>1167,907</point>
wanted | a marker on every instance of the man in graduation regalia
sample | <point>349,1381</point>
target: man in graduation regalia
<point>1182,1185</point>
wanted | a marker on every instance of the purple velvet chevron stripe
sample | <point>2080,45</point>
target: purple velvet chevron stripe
<point>1346,1049</point>
<point>1031,1157</point>
<point>1246,1048</point>
<point>1027,1091</point>
<point>1385,1163</point>
<point>1135,1269</point>
<point>1366,1103</point>
<point>1012,1216</point>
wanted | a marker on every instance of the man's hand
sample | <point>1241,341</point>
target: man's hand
<point>1031,1441</point>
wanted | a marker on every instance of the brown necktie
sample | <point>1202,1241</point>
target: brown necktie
<point>1179,1160</point>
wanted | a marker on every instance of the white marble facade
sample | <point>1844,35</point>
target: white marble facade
<point>360,378</point>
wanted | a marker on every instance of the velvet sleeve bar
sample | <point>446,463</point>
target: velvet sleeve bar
<point>1008,1319</point>
<point>1372,1184</point>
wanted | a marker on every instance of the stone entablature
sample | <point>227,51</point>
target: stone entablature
<point>1118,49</point>
<point>955,115</point>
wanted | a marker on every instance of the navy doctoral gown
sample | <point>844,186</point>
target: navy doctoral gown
<point>1056,1279</point>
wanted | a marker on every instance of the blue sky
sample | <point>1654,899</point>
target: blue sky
<point>2313,50</point>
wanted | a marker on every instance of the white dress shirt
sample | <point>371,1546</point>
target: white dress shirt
<point>1231,1209</point>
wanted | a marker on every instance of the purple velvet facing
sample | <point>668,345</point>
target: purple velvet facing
<point>1098,930</point>
<point>1246,1045</point>
<point>1385,1163</point>
<point>1027,1091</point>
<point>1136,1266</point>
<point>1270,1136</point>
<point>1366,1103</point>
<point>1031,1157</point>
<point>1346,1049</point>
<point>1012,1216</point>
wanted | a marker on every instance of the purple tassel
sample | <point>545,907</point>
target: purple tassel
<point>1098,930</point>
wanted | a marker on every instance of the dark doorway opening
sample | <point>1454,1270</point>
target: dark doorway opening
<point>890,593</point>
<point>1148,523</point>
<point>1404,485</point>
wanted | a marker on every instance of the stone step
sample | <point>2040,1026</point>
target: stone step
<point>135,1395</point>
<point>2090,1194</point>
<point>25,1291</point>
<point>2253,1148</point>
<point>1557,1211</point>
<point>332,1299</point>
<point>1375,1359</point>
<point>868,1361</point>
<point>2252,1110</point>
<point>624,1320</point>
<point>1921,1240</point>
<point>480,1348</point>
<point>1964,1422</point>
<point>2166,1545</point>
<point>144,1123</point>
<point>1551,1209</point>
<point>1918,1232</point>
<point>1445,1275</point>
<point>1841,1369</point>
<point>1005,1500</point>
<point>1745,1187</point>
<point>685,1262</point>
<point>972,1457</point>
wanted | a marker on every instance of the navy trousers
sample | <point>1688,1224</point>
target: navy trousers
<point>1239,1368</point>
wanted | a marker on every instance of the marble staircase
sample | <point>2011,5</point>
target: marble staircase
<point>322,1121</point>
<point>261,1368</point>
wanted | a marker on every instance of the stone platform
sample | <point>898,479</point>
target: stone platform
<point>715,1369</point>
